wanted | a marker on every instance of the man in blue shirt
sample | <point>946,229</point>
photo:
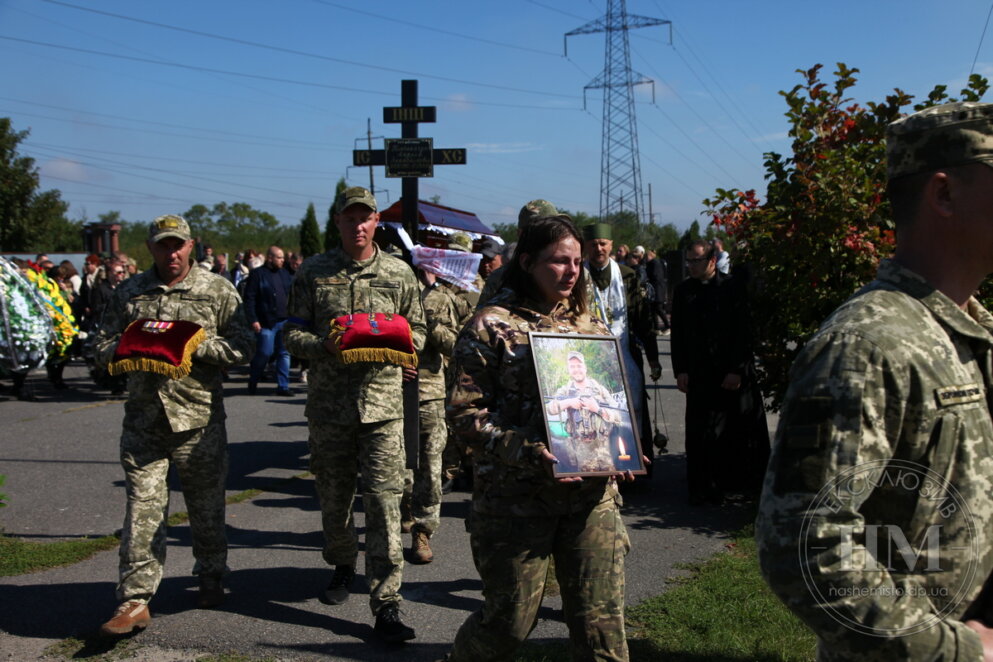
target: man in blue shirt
<point>266,294</point>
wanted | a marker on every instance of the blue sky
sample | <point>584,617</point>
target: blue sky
<point>192,102</point>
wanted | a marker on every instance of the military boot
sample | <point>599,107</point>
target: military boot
<point>420,548</point>
<point>128,617</point>
<point>337,591</point>
<point>389,627</point>
<point>211,592</point>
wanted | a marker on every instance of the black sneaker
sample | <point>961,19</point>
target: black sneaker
<point>337,591</point>
<point>389,627</point>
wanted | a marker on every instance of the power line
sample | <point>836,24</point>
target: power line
<point>166,63</point>
<point>983,36</point>
<point>695,143</point>
<point>167,133</point>
<point>297,103</point>
<point>695,112</point>
<point>293,51</point>
<point>674,177</point>
<point>194,187</point>
<point>431,28</point>
<point>557,10</point>
<point>289,141</point>
<point>720,87</point>
<point>677,150</point>
<point>195,162</point>
<point>199,178</point>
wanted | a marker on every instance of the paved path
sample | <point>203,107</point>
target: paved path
<point>64,480</point>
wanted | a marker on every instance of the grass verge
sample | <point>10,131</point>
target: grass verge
<point>18,557</point>
<point>93,649</point>
<point>721,612</point>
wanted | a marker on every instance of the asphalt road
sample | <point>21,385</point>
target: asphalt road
<point>63,480</point>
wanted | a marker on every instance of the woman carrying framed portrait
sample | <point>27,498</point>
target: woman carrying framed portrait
<point>523,516</point>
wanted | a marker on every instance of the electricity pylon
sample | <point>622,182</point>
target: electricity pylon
<point>620,164</point>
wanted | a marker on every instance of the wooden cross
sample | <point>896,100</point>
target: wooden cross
<point>409,157</point>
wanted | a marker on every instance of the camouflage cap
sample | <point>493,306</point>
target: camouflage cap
<point>535,209</point>
<point>355,195</point>
<point>943,136</point>
<point>460,241</point>
<point>169,225</point>
<point>598,231</point>
<point>576,355</point>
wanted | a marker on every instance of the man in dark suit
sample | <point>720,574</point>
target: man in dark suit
<point>266,294</point>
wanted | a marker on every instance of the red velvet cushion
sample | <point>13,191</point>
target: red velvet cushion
<point>376,338</point>
<point>157,346</point>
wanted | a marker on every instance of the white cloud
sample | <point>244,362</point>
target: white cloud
<point>458,103</point>
<point>66,169</point>
<point>503,148</point>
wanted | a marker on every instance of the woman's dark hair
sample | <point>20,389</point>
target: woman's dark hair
<point>538,235</point>
<point>69,267</point>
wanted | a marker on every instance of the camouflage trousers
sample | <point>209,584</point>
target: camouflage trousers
<point>201,460</point>
<point>456,458</point>
<point>422,486</point>
<point>512,555</point>
<point>337,454</point>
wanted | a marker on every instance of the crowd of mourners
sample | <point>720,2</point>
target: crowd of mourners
<point>875,510</point>
<point>455,329</point>
<point>53,311</point>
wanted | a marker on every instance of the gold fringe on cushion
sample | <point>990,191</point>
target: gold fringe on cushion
<point>146,364</point>
<point>379,355</point>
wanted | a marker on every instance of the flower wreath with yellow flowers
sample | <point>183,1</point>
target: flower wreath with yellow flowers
<point>59,310</point>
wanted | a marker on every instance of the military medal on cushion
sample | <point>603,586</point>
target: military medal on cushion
<point>375,338</point>
<point>159,346</point>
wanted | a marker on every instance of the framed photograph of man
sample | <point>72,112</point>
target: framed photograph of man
<point>587,404</point>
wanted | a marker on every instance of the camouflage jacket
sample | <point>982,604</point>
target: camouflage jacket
<point>583,422</point>
<point>882,477</point>
<point>202,297</point>
<point>495,406</point>
<point>443,325</point>
<point>470,297</point>
<point>331,285</point>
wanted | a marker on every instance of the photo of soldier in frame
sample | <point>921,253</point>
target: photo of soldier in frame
<point>586,404</point>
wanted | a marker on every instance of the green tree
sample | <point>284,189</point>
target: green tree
<point>331,236</point>
<point>238,225</point>
<point>692,234</point>
<point>30,220</point>
<point>50,229</point>
<point>826,221</point>
<point>666,238</point>
<point>310,233</point>
<point>112,216</point>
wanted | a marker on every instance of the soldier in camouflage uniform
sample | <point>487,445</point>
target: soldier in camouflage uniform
<point>178,422</point>
<point>882,471</point>
<point>522,517</point>
<point>460,241</point>
<point>456,455</point>
<point>529,212</point>
<point>585,406</point>
<point>422,487</point>
<point>354,410</point>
